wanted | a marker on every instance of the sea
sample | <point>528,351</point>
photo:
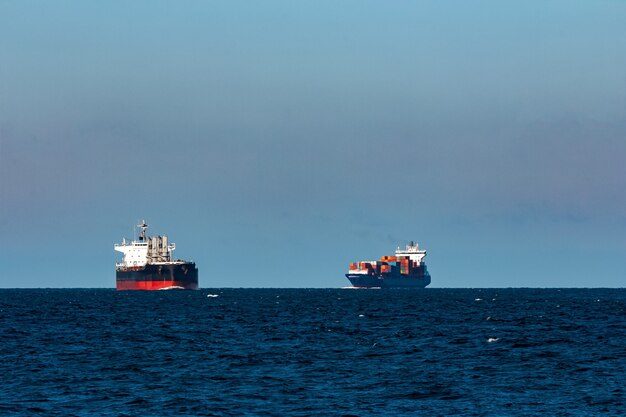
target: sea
<point>313,352</point>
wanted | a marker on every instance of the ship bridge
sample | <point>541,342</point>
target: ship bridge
<point>413,251</point>
<point>145,250</point>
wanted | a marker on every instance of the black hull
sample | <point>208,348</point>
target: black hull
<point>158,277</point>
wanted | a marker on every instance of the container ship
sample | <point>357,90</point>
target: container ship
<point>405,269</point>
<point>148,265</point>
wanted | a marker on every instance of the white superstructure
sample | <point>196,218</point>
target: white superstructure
<point>152,250</point>
<point>413,251</point>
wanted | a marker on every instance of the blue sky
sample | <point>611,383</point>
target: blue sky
<point>275,142</point>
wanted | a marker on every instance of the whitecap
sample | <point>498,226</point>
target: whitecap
<point>361,315</point>
<point>212,295</point>
<point>492,339</point>
<point>478,299</point>
<point>360,288</point>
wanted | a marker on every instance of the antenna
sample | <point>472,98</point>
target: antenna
<point>143,226</point>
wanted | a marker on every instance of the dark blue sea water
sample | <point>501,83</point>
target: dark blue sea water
<point>434,352</point>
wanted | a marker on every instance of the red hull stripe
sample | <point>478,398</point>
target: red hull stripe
<point>153,285</point>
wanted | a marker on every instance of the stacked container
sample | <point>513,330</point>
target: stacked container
<point>405,266</point>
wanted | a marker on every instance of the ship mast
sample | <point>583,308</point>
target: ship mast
<point>143,226</point>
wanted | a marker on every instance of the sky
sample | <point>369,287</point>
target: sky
<point>274,142</point>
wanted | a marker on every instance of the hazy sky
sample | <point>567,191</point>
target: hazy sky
<point>275,142</point>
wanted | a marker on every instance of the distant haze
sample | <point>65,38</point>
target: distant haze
<point>275,142</point>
